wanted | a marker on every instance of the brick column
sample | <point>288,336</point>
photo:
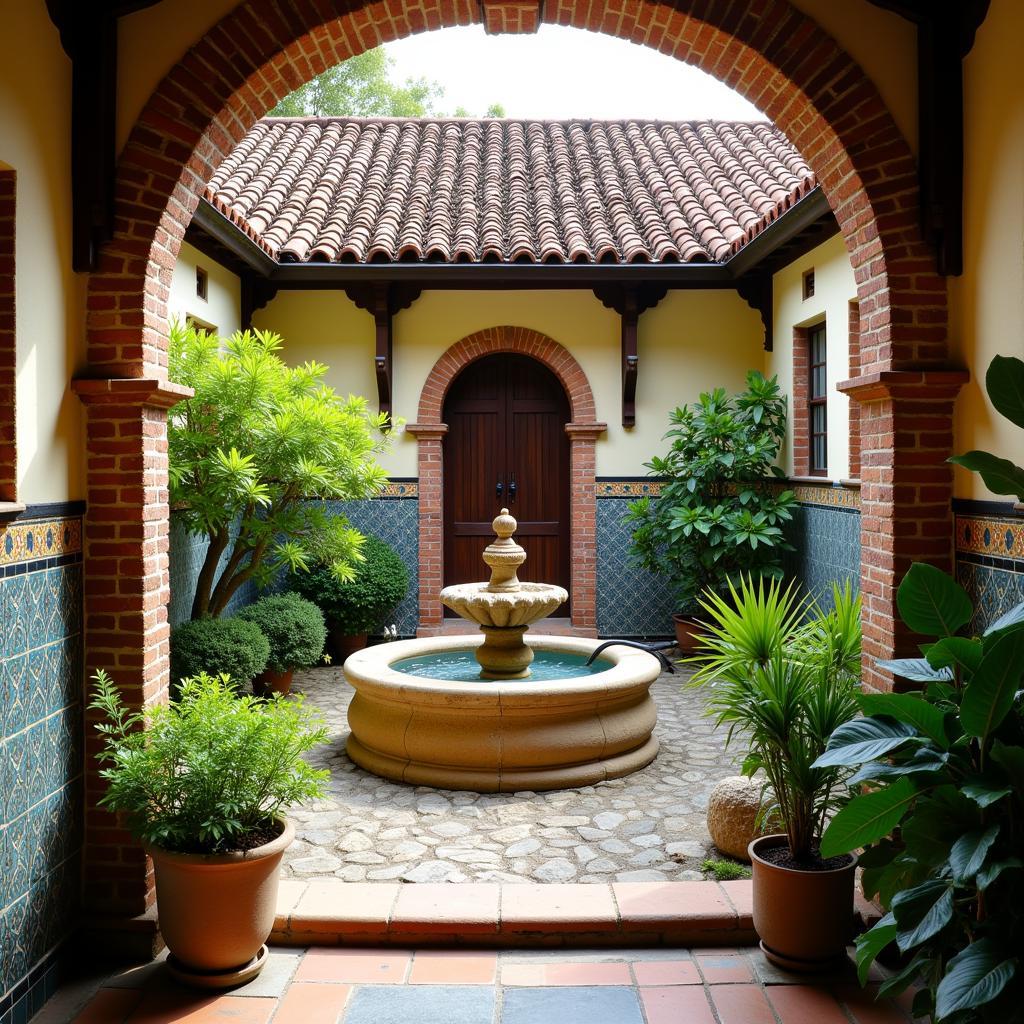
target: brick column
<point>583,523</point>
<point>431,521</point>
<point>853,340</point>
<point>8,345</point>
<point>126,631</point>
<point>906,420</point>
<point>800,415</point>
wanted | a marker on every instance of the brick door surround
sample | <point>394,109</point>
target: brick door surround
<point>583,431</point>
<point>769,51</point>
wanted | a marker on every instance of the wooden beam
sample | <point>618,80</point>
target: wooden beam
<point>256,292</point>
<point>756,290</point>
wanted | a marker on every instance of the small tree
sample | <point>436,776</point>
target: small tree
<point>254,454</point>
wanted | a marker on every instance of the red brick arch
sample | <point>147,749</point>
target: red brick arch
<point>767,50</point>
<point>583,432</point>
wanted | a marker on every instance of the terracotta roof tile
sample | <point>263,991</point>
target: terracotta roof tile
<point>382,189</point>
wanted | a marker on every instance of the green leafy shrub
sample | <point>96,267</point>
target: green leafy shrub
<point>201,774</point>
<point>294,628</point>
<point>231,647</point>
<point>782,675</point>
<point>718,514</point>
<point>354,606</point>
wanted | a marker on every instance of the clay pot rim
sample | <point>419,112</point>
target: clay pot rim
<point>781,839</point>
<point>276,846</point>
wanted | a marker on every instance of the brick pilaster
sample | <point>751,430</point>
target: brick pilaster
<point>583,530</point>
<point>853,335</point>
<point>8,340</point>
<point>431,522</point>
<point>800,411</point>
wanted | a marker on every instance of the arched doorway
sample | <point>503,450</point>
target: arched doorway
<point>507,446</point>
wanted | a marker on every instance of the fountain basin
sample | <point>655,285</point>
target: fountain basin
<point>501,735</point>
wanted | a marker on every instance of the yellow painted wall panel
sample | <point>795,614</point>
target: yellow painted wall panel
<point>220,309</point>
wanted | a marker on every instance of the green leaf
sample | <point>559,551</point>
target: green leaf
<point>984,792</point>
<point>909,708</point>
<point>1004,382</point>
<point>922,912</point>
<point>933,603</point>
<point>955,650</point>
<point>871,943</point>
<point>989,695</point>
<point>868,818</point>
<point>967,857</point>
<point>1000,475</point>
<point>863,739</point>
<point>989,874</point>
<point>1011,760</point>
<point>915,669</point>
<point>974,977</point>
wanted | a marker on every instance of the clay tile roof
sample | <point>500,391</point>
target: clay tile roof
<point>467,191</point>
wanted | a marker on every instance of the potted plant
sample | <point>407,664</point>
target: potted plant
<point>720,511</point>
<point>230,647</point>
<point>782,674</point>
<point>202,782</point>
<point>353,606</point>
<point>295,631</point>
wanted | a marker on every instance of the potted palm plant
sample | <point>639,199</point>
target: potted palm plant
<point>782,674</point>
<point>202,782</point>
<point>295,631</point>
<point>721,510</point>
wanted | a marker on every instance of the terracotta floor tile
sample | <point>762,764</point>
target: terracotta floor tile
<point>181,1006</point>
<point>580,973</point>
<point>666,972</point>
<point>329,904</point>
<point>312,1003</point>
<point>426,907</point>
<point>676,1005</point>
<point>641,903</point>
<point>740,894</point>
<point>109,1006</point>
<point>862,1006</point>
<point>721,970</point>
<point>804,1004</point>
<point>354,966</point>
<point>431,967</point>
<point>741,1004</point>
<point>567,907</point>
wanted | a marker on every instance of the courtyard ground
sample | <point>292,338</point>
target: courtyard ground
<point>649,826</point>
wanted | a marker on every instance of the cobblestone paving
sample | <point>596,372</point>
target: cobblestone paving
<point>648,826</point>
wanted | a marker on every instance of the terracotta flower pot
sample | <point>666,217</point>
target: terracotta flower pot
<point>688,632</point>
<point>216,910</point>
<point>345,644</point>
<point>803,918</point>
<point>268,682</point>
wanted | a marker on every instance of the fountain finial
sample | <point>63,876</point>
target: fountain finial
<point>504,555</point>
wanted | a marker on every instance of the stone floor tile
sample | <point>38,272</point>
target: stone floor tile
<point>538,975</point>
<point>641,903</point>
<point>312,1003</point>
<point>422,1004</point>
<point>354,966</point>
<point>186,1006</point>
<point>721,970</point>
<point>570,1006</point>
<point>440,967</point>
<point>676,1005</point>
<point>805,1004</point>
<point>276,975</point>
<point>109,1006</point>
<point>741,1004</point>
<point>571,907</point>
<point>443,907</point>
<point>863,1008</point>
<point>362,906</point>
<point>666,972</point>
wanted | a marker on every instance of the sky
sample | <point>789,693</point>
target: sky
<point>560,73</point>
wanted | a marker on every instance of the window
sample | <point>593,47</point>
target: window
<point>202,283</point>
<point>817,401</point>
<point>809,283</point>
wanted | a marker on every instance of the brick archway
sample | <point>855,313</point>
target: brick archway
<point>583,432</point>
<point>767,50</point>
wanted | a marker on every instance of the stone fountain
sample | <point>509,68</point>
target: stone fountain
<point>493,712</point>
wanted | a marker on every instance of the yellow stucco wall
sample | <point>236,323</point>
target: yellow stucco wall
<point>690,342</point>
<point>834,287</point>
<point>35,139</point>
<point>987,303</point>
<point>220,309</point>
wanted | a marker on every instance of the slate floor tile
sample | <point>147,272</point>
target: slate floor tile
<point>607,1005</point>
<point>425,1004</point>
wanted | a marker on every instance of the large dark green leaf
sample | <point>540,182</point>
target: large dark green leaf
<point>867,818</point>
<point>917,670</point>
<point>922,912</point>
<point>932,602</point>
<point>871,943</point>
<point>967,856</point>
<point>989,695</point>
<point>1004,382</point>
<point>974,977</point>
<point>989,874</point>
<point>925,762</point>
<point>864,739</point>
<point>1014,617</point>
<point>1001,476</point>
<point>984,791</point>
<point>1011,760</point>
<point>955,650</point>
<point>938,819</point>
<point>909,708</point>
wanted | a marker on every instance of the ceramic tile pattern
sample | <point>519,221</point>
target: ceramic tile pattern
<point>990,562</point>
<point>363,190</point>
<point>827,543</point>
<point>40,751</point>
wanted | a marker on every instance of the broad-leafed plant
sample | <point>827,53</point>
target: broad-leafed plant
<point>255,454</point>
<point>782,673</point>
<point>208,770</point>
<point>720,512</point>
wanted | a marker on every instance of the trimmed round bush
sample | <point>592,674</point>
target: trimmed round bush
<point>294,628</point>
<point>231,647</point>
<point>380,582</point>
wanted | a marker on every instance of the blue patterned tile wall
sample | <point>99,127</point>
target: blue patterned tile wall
<point>827,543</point>
<point>40,752</point>
<point>990,557</point>
<point>630,600</point>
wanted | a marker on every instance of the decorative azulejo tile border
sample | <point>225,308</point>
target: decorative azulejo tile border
<point>825,493</point>
<point>640,487</point>
<point>997,537</point>
<point>398,488</point>
<point>38,541</point>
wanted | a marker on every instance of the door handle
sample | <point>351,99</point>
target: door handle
<point>499,488</point>
<point>512,488</point>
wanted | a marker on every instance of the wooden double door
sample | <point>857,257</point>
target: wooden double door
<point>506,447</point>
